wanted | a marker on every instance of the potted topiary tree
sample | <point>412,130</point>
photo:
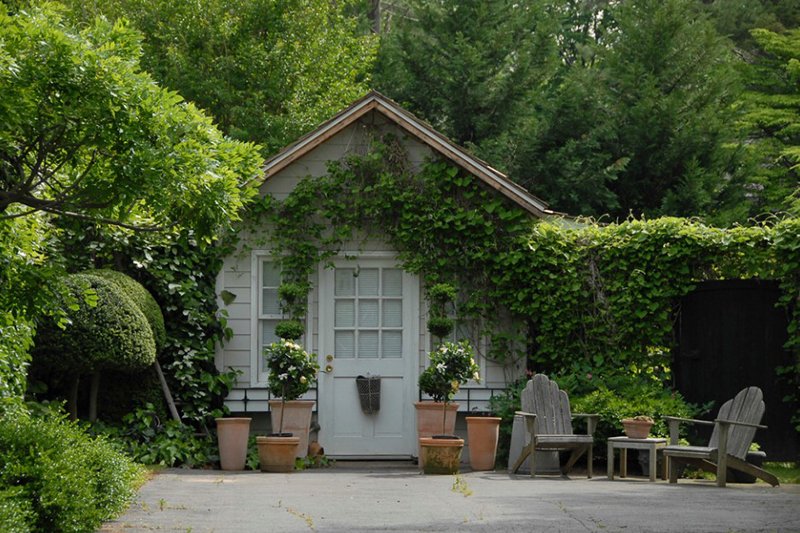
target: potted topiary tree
<point>292,371</point>
<point>451,365</point>
<point>430,414</point>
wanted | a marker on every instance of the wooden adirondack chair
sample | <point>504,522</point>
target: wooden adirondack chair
<point>548,423</point>
<point>734,428</point>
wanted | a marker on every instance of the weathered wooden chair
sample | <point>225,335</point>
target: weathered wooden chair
<point>548,423</point>
<point>734,428</point>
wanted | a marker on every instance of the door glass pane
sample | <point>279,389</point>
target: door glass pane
<point>345,344</point>
<point>345,314</point>
<point>345,282</point>
<point>392,314</point>
<point>392,344</point>
<point>368,313</point>
<point>392,282</point>
<point>368,282</point>
<point>368,344</point>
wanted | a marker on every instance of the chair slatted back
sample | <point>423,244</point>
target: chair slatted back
<point>550,404</point>
<point>746,406</point>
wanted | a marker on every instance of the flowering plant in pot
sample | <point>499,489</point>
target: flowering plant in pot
<point>451,365</point>
<point>292,371</point>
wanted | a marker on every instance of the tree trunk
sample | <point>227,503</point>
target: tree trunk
<point>375,16</point>
<point>93,396</point>
<point>72,402</point>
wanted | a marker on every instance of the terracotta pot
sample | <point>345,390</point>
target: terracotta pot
<point>429,421</point>
<point>232,434</point>
<point>441,456</point>
<point>296,420</point>
<point>277,454</point>
<point>482,435</point>
<point>636,429</point>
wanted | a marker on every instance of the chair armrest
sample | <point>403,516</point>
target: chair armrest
<point>689,420</point>
<point>737,423</point>
<point>526,415</point>
<point>591,422</point>
<point>674,421</point>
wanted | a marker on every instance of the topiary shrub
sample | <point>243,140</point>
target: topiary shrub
<point>106,331</point>
<point>143,300</point>
<point>58,478</point>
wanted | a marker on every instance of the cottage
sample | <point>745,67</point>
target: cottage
<point>366,316</point>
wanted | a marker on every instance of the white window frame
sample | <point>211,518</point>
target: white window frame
<point>480,347</point>
<point>258,373</point>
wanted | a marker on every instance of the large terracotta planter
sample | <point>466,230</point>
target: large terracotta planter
<point>232,434</point>
<point>429,421</point>
<point>482,436</point>
<point>277,454</point>
<point>296,420</point>
<point>636,429</point>
<point>441,455</point>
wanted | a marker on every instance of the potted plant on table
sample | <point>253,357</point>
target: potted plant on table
<point>637,427</point>
<point>292,371</point>
<point>451,365</point>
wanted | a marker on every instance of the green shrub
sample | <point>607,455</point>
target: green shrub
<point>150,441</point>
<point>15,340</point>
<point>632,397</point>
<point>58,478</point>
<point>16,512</point>
<point>143,300</point>
<point>112,334</point>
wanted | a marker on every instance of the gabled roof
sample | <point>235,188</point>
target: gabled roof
<point>422,131</point>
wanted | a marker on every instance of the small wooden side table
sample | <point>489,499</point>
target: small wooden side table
<point>623,444</point>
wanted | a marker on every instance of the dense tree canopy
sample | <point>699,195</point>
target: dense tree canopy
<point>84,132</point>
<point>266,71</point>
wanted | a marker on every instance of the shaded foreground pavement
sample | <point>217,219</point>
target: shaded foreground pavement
<point>354,496</point>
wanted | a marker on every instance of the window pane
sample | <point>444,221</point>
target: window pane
<point>268,332</point>
<point>392,282</point>
<point>270,305</point>
<point>345,314</point>
<point>392,344</point>
<point>368,344</point>
<point>270,274</point>
<point>345,344</point>
<point>392,314</point>
<point>368,313</point>
<point>368,282</point>
<point>345,282</point>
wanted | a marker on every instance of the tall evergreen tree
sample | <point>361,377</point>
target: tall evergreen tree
<point>771,123</point>
<point>468,67</point>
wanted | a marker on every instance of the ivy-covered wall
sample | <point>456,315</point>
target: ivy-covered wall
<point>584,300</point>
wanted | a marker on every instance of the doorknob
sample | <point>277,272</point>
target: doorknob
<point>328,369</point>
<point>329,358</point>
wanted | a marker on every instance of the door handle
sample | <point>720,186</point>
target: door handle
<point>328,369</point>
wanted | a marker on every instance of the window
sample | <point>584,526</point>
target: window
<point>368,313</point>
<point>266,315</point>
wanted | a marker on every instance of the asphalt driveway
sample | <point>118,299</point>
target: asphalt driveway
<point>395,497</point>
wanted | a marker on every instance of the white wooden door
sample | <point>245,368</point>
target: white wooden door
<point>368,326</point>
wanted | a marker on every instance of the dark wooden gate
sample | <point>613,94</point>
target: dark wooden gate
<point>730,336</point>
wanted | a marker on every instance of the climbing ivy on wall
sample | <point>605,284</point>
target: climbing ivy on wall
<point>582,299</point>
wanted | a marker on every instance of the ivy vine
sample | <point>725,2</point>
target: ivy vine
<point>576,298</point>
